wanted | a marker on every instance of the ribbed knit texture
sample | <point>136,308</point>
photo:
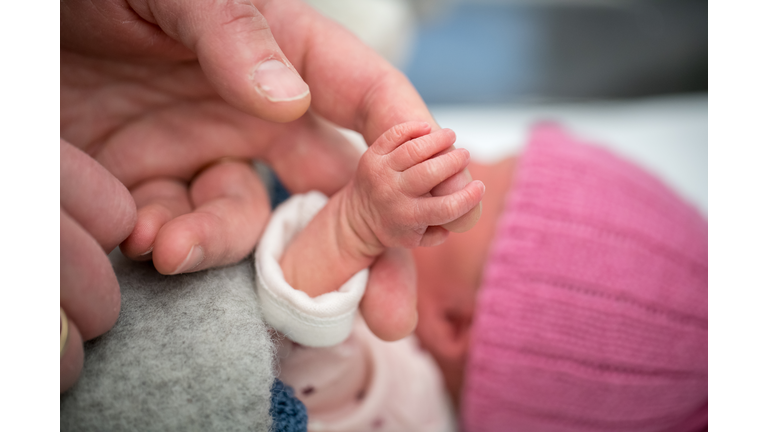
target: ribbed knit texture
<point>592,315</point>
<point>287,411</point>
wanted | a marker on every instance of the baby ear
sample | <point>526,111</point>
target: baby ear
<point>445,331</point>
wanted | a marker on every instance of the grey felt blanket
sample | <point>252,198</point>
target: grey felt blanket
<point>188,352</point>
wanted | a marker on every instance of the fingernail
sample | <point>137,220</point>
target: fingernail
<point>278,82</point>
<point>149,251</point>
<point>193,259</point>
<point>63,331</point>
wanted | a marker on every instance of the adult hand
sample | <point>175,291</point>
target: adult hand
<point>158,91</point>
<point>97,213</point>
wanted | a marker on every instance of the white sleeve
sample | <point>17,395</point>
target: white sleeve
<point>321,321</point>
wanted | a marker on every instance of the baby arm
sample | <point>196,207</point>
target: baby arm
<point>386,204</point>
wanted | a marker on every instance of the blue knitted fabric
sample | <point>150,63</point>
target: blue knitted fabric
<point>278,192</point>
<point>288,413</point>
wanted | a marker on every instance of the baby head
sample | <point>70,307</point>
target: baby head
<point>580,299</point>
<point>450,275</point>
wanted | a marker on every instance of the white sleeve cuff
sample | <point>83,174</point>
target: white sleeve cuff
<point>321,321</point>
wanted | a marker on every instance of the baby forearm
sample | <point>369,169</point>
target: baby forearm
<point>328,251</point>
<point>386,204</point>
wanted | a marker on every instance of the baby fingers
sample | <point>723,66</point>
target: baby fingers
<point>420,149</point>
<point>422,178</point>
<point>441,210</point>
<point>397,135</point>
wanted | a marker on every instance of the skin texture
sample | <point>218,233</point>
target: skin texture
<point>191,100</point>
<point>89,291</point>
<point>449,277</point>
<point>387,204</point>
<point>168,97</point>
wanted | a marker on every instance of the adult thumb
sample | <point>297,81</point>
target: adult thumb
<point>238,54</point>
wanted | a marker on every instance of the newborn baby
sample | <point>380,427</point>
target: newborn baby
<point>362,383</point>
<point>579,301</point>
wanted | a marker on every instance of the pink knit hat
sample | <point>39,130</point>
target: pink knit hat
<point>592,315</point>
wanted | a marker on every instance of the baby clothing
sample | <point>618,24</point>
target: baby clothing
<point>316,322</point>
<point>592,314</point>
<point>348,379</point>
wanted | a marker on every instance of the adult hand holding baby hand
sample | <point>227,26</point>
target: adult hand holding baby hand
<point>171,95</point>
<point>176,85</point>
<point>390,200</point>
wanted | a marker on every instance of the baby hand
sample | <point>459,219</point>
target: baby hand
<point>391,204</point>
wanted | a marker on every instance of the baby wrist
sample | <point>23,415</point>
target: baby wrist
<point>320,321</point>
<point>356,237</point>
